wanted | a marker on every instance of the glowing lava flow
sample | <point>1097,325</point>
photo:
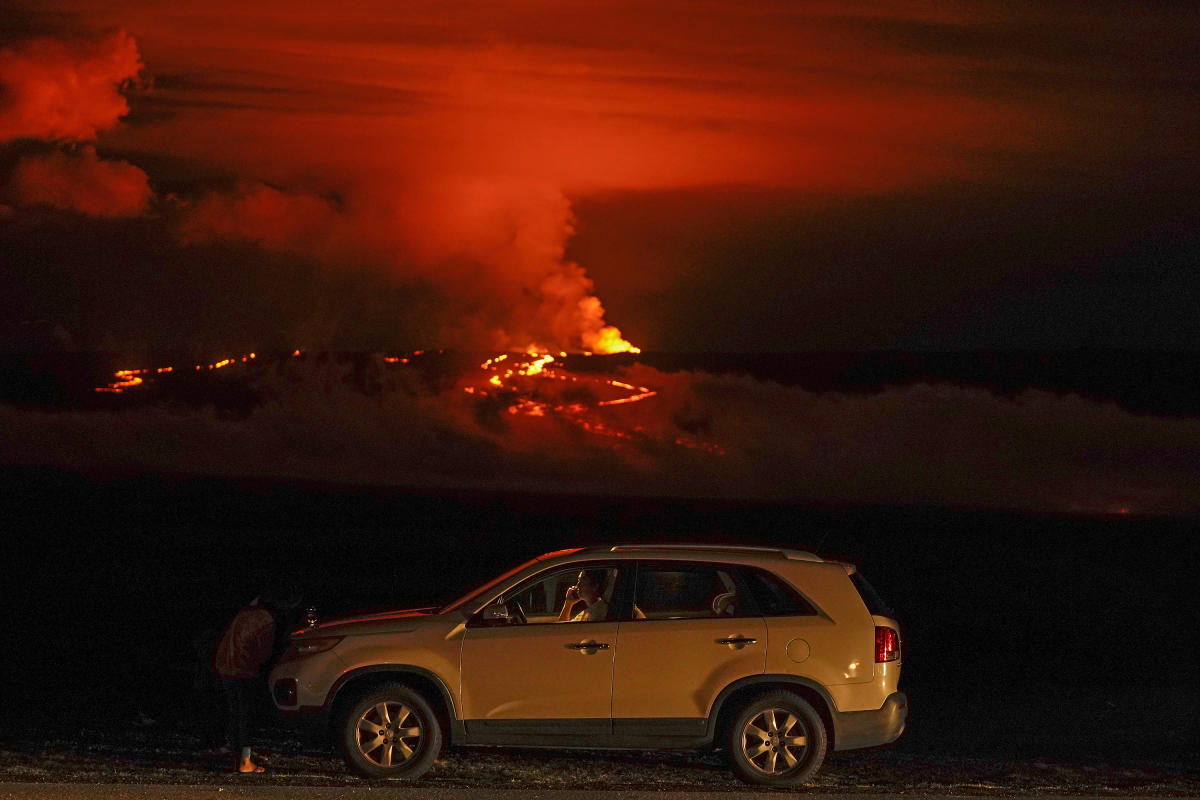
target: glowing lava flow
<point>533,363</point>
<point>509,377</point>
<point>529,384</point>
<point>128,378</point>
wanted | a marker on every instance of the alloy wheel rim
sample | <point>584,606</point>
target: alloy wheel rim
<point>774,741</point>
<point>388,734</point>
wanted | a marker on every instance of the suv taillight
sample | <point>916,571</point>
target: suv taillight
<point>887,645</point>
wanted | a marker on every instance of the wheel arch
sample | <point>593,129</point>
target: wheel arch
<point>357,682</point>
<point>737,694</point>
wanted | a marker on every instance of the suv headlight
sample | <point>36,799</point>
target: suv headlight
<point>285,692</point>
<point>308,647</point>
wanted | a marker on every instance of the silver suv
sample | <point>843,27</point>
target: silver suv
<point>775,656</point>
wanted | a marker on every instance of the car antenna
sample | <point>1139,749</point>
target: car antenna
<point>821,542</point>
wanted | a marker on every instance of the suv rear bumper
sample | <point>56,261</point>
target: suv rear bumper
<point>855,730</point>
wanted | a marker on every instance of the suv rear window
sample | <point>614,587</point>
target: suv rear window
<point>686,591</point>
<point>874,602</point>
<point>774,597</point>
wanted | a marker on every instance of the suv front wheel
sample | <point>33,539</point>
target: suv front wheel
<point>390,733</point>
<point>776,740</point>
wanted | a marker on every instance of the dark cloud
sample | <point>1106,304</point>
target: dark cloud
<point>168,95</point>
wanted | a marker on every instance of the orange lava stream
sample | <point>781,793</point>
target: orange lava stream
<point>506,368</point>
<point>128,378</point>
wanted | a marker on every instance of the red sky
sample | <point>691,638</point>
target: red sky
<point>603,96</point>
<point>796,158</point>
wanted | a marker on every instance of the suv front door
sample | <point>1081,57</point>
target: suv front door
<point>692,634</point>
<point>529,681</point>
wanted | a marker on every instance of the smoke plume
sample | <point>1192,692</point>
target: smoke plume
<point>56,89</point>
<point>82,182</point>
<point>493,251</point>
<point>69,91</point>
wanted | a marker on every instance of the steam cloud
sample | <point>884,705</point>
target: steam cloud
<point>81,182</point>
<point>69,91</point>
<point>493,250</point>
<point>65,90</point>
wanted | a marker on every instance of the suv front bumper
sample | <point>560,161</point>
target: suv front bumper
<point>855,730</point>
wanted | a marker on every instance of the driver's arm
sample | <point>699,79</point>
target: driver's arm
<point>568,604</point>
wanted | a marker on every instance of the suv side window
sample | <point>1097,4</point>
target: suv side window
<point>543,597</point>
<point>774,597</point>
<point>687,591</point>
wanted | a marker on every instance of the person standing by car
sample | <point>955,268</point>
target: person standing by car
<point>242,652</point>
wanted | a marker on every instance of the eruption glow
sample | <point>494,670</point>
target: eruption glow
<point>508,380</point>
<point>441,422</point>
<point>528,384</point>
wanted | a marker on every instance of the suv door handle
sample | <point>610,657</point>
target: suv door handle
<point>588,646</point>
<point>738,641</point>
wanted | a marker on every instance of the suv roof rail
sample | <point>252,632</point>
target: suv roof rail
<point>791,555</point>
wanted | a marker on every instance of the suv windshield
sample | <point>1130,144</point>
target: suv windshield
<point>474,593</point>
<point>493,582</point>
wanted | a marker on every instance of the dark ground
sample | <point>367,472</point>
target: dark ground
<point>1053,652</point>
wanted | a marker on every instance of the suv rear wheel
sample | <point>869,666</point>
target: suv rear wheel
<point>390,733</point>
<point>776,740</point>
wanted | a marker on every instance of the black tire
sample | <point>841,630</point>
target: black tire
<point>390,732</point>
<point>777,739</point>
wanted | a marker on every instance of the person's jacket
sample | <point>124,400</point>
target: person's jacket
<point>246,643</point>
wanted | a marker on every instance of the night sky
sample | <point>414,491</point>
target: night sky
<point>720,176</point>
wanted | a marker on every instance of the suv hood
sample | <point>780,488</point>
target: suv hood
<point>392,621</point>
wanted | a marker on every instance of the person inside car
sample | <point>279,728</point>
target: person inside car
<point>588,589</point>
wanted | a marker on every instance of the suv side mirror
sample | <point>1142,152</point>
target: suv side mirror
<point>495,614</point>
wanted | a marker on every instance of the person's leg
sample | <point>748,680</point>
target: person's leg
<point>246,694</point>
<point>238,704</point>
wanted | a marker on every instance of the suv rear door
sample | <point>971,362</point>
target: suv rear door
<point>693,632</point>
